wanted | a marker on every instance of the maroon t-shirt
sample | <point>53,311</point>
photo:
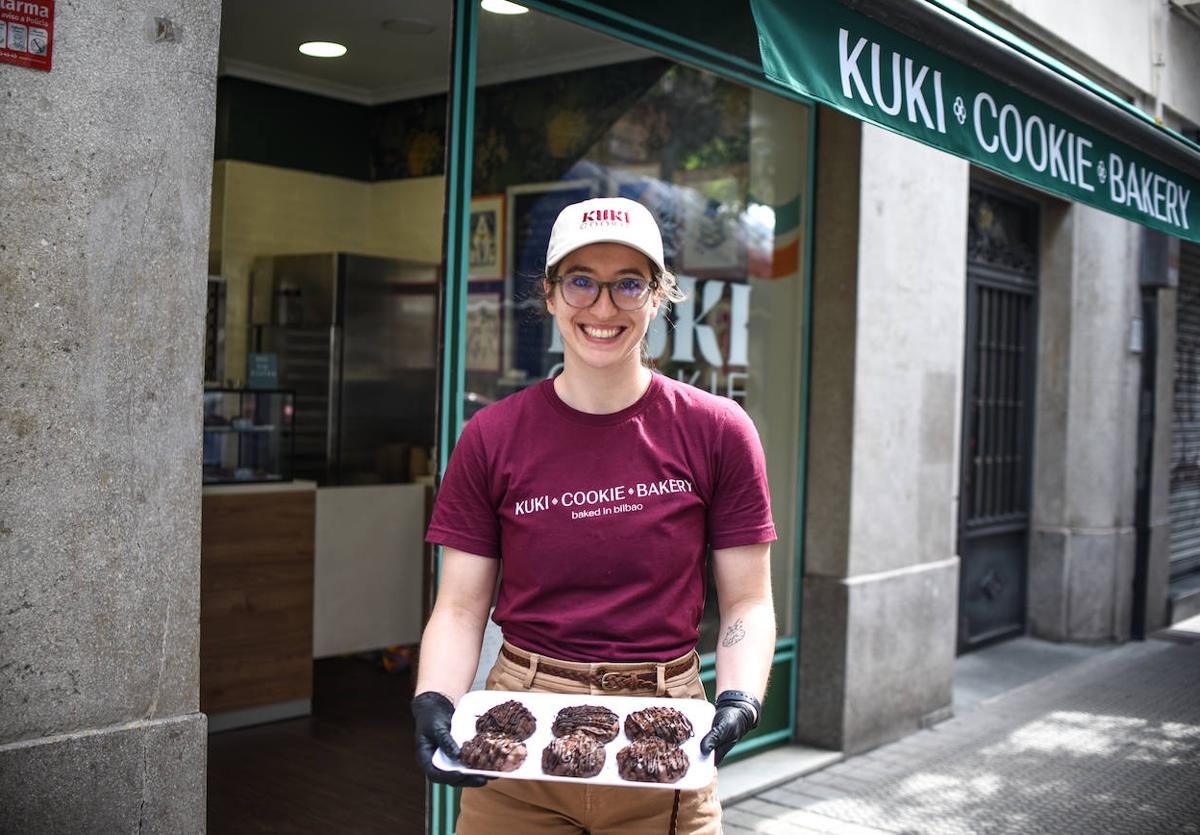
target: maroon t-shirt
<point>603,521</point>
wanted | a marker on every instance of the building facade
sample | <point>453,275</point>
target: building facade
<point>976,395</point>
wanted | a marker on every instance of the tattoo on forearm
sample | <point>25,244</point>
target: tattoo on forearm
<point>734,633</point>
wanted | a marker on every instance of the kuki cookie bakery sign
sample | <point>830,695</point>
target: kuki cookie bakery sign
<point>27,33</point>
<point>862,67</point>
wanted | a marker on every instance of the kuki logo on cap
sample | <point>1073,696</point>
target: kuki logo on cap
<point>607,216</point>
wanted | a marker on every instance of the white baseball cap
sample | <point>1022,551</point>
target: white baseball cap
<point>616,220</point>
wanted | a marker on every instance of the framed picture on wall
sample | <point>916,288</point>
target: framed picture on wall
<point>485,241</point>
<point>483,331</point>
<point>532,210</point>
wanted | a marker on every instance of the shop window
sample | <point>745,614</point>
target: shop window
<point>563,114</point>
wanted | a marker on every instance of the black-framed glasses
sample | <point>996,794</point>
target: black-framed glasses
<point>626,293</point>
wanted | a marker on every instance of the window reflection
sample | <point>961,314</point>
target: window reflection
<point>722,168</point>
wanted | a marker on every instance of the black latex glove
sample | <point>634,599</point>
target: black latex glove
<point>432,713</point>
<point>737,715</point>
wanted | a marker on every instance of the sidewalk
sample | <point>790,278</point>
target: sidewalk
<point>1108,745</point>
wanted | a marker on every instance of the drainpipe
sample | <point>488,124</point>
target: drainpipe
<point>1160,16</point>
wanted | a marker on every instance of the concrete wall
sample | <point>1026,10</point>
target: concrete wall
<point>1082,541</point>
<point>1181,93</point>
<point>881,574</point>
<point>106,169</point>
<point>1120,39</point>
<point>1116,33</point>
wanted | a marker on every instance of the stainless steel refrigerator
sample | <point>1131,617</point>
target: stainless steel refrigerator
<point>355,339</point>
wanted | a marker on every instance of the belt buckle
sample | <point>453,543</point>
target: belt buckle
<point>623,681</point>
<point>607,684</point>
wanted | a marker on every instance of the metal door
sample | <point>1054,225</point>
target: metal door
<point>1185,439</point>
<point>997,417</point>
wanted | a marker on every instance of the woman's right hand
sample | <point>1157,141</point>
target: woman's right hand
<point>432,713</point>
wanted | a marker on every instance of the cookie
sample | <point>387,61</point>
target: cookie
<point>665,723</point>
<point>598,722</point>
<point>510,718</point>
<point>493,752</point>
<point>574,755</point>
<point>652,760</point>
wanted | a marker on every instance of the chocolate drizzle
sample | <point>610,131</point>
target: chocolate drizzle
<point>665,723</point>
<point>509,718</point>
<point>493,752</point>
<point>652,760</point>
<point>573,755</point>
<point>598,722</point>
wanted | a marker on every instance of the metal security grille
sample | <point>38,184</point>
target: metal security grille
<point>997,408</point>
<point>1185,438</point>
<point>996,481</point>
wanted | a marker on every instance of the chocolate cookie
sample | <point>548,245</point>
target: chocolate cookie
<point>510,718</point>
<point>663,722</point>
<point>493,752</point>
<point>598,722</point>
<point>652,760</point>
<point>573,755</point>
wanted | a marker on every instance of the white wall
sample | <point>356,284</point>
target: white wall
<point>368,573</point>
<point>1123,37</point>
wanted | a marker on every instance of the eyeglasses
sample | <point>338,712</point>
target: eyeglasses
<point>625,293</point>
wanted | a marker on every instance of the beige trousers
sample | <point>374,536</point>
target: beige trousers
<point>529,807</point>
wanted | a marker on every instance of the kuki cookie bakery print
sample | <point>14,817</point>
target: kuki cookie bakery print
<point>603,740</point>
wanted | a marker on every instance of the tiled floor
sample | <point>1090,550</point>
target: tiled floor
<point>1108,744</point>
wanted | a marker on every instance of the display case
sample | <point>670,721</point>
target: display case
<point>248,435</point>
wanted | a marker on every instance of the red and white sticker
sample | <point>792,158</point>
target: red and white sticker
<point>27,33</point>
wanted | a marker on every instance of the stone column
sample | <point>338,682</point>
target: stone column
<point>105,177</point>
<point>1082,540</point>
<point>881,571</point>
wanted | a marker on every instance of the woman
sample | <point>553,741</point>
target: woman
<point>601,491</point>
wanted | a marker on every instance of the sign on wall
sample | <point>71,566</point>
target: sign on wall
<point>862,67</point>
<point>27,33</point>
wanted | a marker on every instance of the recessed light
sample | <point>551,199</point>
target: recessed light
<point>501,7</point>
<point>323,49</point>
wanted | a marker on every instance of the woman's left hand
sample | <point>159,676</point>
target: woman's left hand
<point>737,715</point>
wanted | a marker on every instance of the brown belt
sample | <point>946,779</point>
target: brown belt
<point>604,679</point>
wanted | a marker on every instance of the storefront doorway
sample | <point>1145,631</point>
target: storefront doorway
<point>997,433</point>
<point>332,279</point>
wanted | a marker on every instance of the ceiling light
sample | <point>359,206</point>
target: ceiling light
<point>501,7</point>
<point>323,49</point>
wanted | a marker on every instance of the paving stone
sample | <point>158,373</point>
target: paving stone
<point>794,799</point>
<point>735,817</point>
<point>850,772</point>
<point>837,783</point>
<point>826,825</point>
<point>874,772</point>
<point>807,786</point>
<point>1107,746</point>
<point>763,808</point>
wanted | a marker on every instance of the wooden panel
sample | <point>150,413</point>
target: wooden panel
<point>256,599</point>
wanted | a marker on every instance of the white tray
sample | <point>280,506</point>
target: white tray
<point>545,706</point>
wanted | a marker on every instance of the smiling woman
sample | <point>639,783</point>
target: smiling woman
<point>656,213</point>
<point>614,583</point>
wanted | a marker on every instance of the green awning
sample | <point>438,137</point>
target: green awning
<point>857,64</point>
